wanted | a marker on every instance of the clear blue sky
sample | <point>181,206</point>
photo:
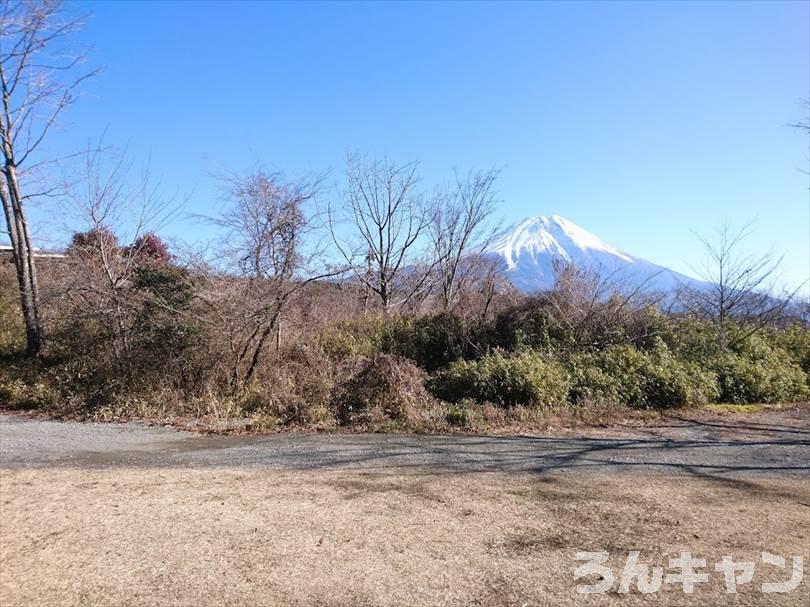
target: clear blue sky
<point>642,122</point>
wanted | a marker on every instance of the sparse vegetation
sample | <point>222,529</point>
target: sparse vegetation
<point>402,325</point>
<point>160,344</point>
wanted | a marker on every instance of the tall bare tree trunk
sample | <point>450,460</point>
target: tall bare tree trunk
<point>388,216</point>
<point>37,81</point>
<point>24,262</point>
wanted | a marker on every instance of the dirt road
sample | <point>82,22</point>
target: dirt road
<point>132,515</point>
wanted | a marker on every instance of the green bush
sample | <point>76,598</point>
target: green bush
<point>654,378</point>
<point>692,339</point>
<point>759,373</point>
<point>795,341</point>
<point>457,415</point>
<point>590,384</point>
<point>525,325</point>
<point>163,332</point>
<point>347,340</point>
<point>432,342</point>
<point>526,378</point>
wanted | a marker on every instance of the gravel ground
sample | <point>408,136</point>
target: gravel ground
<point>129,515</point>
<point>773,443</point>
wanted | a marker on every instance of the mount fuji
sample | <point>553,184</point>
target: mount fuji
<point>527,252</point>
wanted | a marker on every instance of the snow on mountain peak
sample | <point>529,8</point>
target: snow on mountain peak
<point>548,234</point>
<point>527,252</point>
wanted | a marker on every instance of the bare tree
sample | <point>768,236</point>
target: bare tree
<point>592,308</point>
<point>740,286</point>
<point>492,282</point>
<point>114,206</point>
<point>458,231</point>
<point>38,78</point>
<point>804,123</point>
<point>803,126</point>
<point>387,216</point>
<point>266,225</point>
<point>483,290</point>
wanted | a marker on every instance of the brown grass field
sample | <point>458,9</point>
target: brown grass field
<point>203,537</point>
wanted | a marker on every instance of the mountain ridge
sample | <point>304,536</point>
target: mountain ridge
<point>528,250</point>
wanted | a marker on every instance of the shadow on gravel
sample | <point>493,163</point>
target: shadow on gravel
<point>677,445</point>
<point>768,428</point>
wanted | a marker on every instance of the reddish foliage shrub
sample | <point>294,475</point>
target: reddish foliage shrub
<point>150,246</point>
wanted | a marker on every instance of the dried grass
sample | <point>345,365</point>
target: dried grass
<point>386,388</point>
<point>234,537</point>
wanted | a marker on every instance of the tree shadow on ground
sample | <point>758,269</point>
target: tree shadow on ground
<point>677,444</point>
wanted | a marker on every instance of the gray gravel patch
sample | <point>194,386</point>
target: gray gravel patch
<point>773,444</point>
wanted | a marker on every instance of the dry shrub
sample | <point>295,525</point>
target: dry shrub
<point>385,388</point>
<point>12,329</point>
<point>22,385</point>
<point>294,389</point>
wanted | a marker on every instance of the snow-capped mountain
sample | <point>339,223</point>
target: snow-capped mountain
<point>528,249</point>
